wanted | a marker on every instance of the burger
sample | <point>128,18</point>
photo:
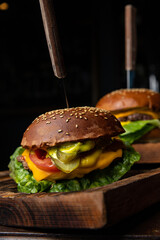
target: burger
<point>138,110</point>
<point>71,149</point>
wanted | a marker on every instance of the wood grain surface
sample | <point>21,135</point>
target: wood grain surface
<point>144,225</point>
<point>92,209</point>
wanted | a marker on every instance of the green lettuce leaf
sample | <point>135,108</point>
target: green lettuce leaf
<point>27,184</point>
<point>135,130</point>
<point>25,181</point>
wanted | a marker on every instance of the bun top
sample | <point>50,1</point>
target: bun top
<point>70,124</point>
<point>130,98</point>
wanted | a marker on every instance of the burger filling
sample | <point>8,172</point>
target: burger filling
<point>137,123</point>
<point>35,171</point>
<point>71,159</point>
<point>136,115</point>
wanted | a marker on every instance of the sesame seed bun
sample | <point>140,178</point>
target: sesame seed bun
<point>130,98</point>
<point>70,124</point>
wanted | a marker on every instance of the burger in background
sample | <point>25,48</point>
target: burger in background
<point>71,149</point>
<point>139,113</point>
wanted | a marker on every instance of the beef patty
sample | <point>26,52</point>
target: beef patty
<point>136,117</point>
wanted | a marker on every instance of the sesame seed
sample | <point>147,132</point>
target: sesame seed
<point>96,115</point>
<point>61,116</point>
<point>105,118</point>
<point>67,120</point>
<point>76,125</point>
<point>54,118</point>
<point>67,133</point>
<point>80,117</point>
<point>85,118</point>
<point>48,122</point>
<point>60,130</point>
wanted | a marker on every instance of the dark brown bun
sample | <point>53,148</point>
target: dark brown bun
<point>70,124</point>
<point>130,98</point>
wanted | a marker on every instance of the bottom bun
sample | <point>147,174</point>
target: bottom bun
<point>152,136</point>
<point>149,152</point>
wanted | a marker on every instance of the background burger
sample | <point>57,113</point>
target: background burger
<point>139,113</point>
<point>70,150</point>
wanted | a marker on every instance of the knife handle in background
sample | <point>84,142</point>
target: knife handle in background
<point>130,37</point>
<point>52,37</point>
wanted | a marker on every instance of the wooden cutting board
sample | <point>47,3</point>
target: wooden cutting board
<point>91,209</point>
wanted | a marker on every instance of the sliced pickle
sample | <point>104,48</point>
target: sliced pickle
<point>77,146</point>
<point>52,152</point>
<point>67,167</point>
<point>67,152</point>
<point>91,159</point>
<point>63,157</point>
<point>87,145</point>
<point>70,147</point>
<point>66,157</point>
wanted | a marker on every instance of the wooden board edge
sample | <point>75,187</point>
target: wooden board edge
<point>132,195</point>
<point>74,210</point>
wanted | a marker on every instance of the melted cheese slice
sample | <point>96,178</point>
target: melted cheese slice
<point>124,123</point>
<point>96,160</point>
<point>104,160</point>
<point>127,113</point>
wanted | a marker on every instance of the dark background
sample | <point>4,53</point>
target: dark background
<point>92,38</point>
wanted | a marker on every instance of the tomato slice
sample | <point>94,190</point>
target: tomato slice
<point>38,157</point>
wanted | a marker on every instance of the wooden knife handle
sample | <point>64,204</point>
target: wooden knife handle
<point>130,37</point>
<point>52,36</point>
